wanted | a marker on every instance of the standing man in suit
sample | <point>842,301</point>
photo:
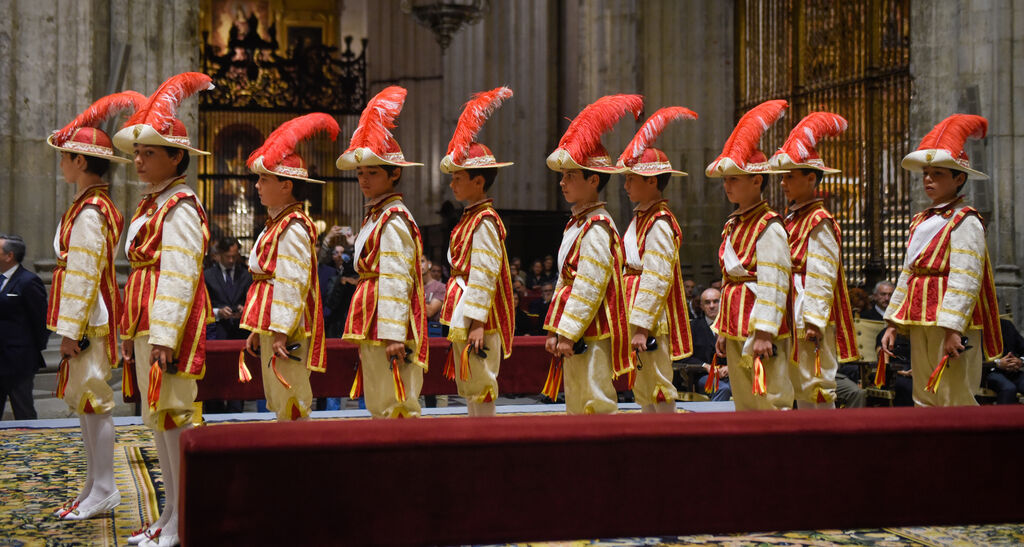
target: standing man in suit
<point>23,322</point>
<point>227,281</point>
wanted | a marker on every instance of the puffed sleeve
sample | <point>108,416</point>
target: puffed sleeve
<point>822,272</point>
<point>588,288</point>
<point>485,265</point>
<point>181,260</point>
<point>774,266</point>
<point>660,256</point>
<point>966,260</point>
<point>397,278</point>
<point>87,258</point>
<point>291,278</point>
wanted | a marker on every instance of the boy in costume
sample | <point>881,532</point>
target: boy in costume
<point>753,332</point>
<point>283,307</point>
<point>387,317</point>
<point>588,334</point>
<point>166,306</point>
<point>85,303</point>
<point>653,277</point>
<point>946,292</point>
<point>478,305</point>
<point>822,319</point>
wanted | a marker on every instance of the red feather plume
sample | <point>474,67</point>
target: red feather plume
<point>99,111</point>
<point>377,119</point>
<point>474,114</point>
<point>282,141</point>
<point>650,131</point>
<point>951,134</point>
<point>747,134</point>
<point>585,130</point>
<point>162,105</point>
<point>805,136</point>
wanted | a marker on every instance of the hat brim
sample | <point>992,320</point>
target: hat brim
<point>789,166</point>
<point>259,169</point>
<point>126,139</point>
<point>917,160</point>
<point>364,157</point>
<point>448,167</point>
<point>560,160</point>
<point>655,172</point>
<point>74,150</point>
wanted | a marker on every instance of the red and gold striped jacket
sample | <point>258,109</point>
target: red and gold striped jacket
<point>929,275</point>
<point>260,298</point>
<point>799,226</point>
<point>361,324</point>
<point>97,197</point>
<point>737,304</point>
<point>675,300</point>
<point>502,314</point>
<point>610,319</point>
<point>144,253</point>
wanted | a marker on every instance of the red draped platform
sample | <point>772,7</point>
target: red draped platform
<point>489,480</point>
<point>523,373</point>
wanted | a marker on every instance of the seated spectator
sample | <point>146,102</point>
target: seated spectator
<point>1006,379</point>
<point>899,367</point>
<point>340,290</point>
<point>878,302</point>
<point>704,346</point>
<point>517,274</point>
<point>540,307</point>
<point>536,277</point>
<point>519,288</point>
<point>549,269</point>
<point>526,324</point>
<point>691,294</point>
<point>433,296</point>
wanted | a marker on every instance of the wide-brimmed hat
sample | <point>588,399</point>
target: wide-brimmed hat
<point>372,142</point>
<point>740,155</point>
<point>277,156</point>
<point>465,153</point>
<point>639,157</point>
<point>82,137</point>
<point>580,147</point>
<point>799,150</point>
<point>943,146</point>
<point>155,123</point>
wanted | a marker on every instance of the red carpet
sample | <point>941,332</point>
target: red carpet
<point>523,373</point>
<point>458,480</point>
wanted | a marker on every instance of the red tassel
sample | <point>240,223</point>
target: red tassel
<point>883,360</point>
<point>244,376</point>
<point>449,364</point>
<point>936,376</point>
<point>156,377</point>
<point>758,386</point>
<point>62,378</point>
<point>357,384</point>
<point>464,364</point>
<point>399,386</point>
<point>553,383</point>
<point>273,365</point>
<point>711,384</point>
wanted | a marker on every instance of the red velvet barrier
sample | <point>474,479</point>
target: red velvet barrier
<point>523,373</point>
<point>490,480</point>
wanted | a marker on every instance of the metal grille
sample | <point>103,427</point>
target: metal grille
<point>851,58</point>
<point>228,189</point>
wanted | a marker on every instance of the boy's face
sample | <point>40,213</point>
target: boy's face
<point>742,188</point>
<point>464,187</point>
<point>375,181</point>
<point>575,186</point>
<point>641,189</point>
<point>156,164</point>
<point>939,183</point>
<point>69,168</point>
<point>797,186</point>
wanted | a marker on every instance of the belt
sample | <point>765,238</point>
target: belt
<point>628,270</point>
<point>261,277</point>
<point>737,280</point>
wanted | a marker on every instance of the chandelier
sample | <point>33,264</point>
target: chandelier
<point>445,17</point>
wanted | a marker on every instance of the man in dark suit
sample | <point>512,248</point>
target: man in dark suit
<point>879,300</point>
<point>704,345</point>
<point>227,281</point>
<point>23,324</point>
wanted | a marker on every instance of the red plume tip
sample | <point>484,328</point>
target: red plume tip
<point>650,131</point>
<point>806,135</point>
<point>584,132</point>
<point>747,134</point>
<point>378,119</point>
<point>159,111</point>
<point>951,134</point>
<point>474,114</point>
<point>281,143</point>
<point>99,111</point>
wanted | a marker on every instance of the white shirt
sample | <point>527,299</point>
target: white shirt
<point>7,276</point>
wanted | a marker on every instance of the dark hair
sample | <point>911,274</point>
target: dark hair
<point>14,244</point>
<point>390,170</point>
<point>225,244</point>
<point>663,181</point>
<point>300,189</point>
<point>764,179</point>
<point>488,173</point>
<point>602,177</point>
<point>956,172</point>
<point>818,174</point>
<point>185,160</point>
<point>96,166</point>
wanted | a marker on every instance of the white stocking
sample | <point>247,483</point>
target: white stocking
<point>172,439</point>
<point>665,407</point>
<point>87,443</point>
<point>170,498</point>
<point>647,409</point>
<point>482,409</point>
<point>100,428</point>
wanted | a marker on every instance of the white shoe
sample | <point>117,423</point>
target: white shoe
<point>161,540</point>
<point>66,508</point>
<point>141,534</point>
<point>79,513</point>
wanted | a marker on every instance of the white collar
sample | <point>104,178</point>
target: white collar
<point>9,273</point>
